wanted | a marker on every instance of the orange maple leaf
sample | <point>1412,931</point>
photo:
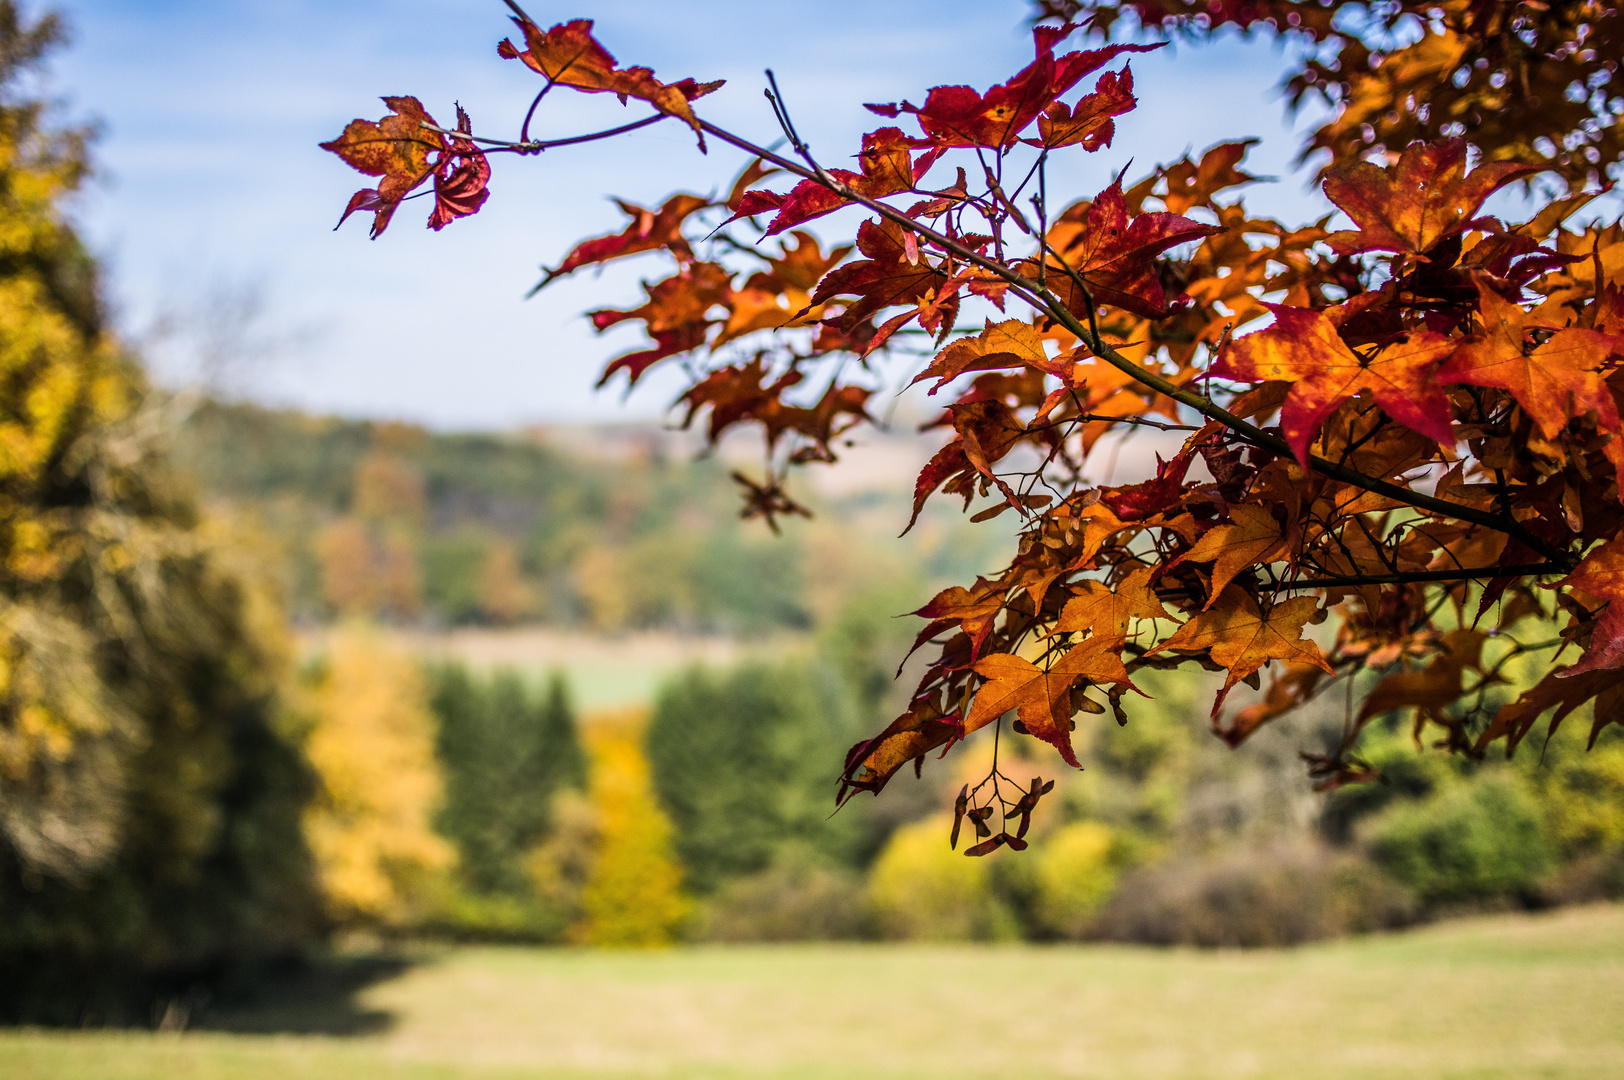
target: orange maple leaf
<point>1237,635</point>
<point>398,148</point>
<point>973,610</point>
<point>1287,690</point>
<point>570,56</point>
<point>676,316</point>
<point>1007,344</point>
<point>1192,183</point>
<point>1433,687</point>
<point>1043,696</point>
<point>1553,382</point>
<point>782,296</point>
<point>1427,196</point>
<point>1302,347</point>
<point>1252,537</point>
<point>1104,611</point>
<point>921,729</point>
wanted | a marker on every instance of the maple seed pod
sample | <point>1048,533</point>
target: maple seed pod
<point>959,806</point>
<point>987,847</point>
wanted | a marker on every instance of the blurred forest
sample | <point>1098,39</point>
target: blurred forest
<point>1167,836</point>
<point>222,747</point>
<point>604,529</point>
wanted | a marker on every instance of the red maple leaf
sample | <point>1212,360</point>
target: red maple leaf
<point>888,278</point>
<point>1601,574</point>
<point>569,55</point>
<point>1303,348</point>
<point>1131,502</point>
<point>460,178</point>
<point>648,230</point>
<point>959,116</point>
<point>888,167</point>
<point>1115,255</point>
<point>405,149</point>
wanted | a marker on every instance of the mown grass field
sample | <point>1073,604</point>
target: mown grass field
<point>1513,996</point>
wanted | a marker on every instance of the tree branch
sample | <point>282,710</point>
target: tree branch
<point>1043,299</point>
<point>1466,574</point>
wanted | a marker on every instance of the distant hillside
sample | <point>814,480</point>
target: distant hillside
<point>610,528</point>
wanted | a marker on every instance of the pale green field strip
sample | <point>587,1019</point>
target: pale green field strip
<point>1513,996</point>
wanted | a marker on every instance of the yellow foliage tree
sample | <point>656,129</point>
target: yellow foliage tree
<point>387,488</point>
<point>920,889</point>
<point>365,574</point>
<point>371,743</point>
<point>1076,871</point>
<point>634,893</point>
<point>504,595</point>
<point>345,551</point>
<point>149,804</point>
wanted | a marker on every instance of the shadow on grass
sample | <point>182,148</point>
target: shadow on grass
<point>316,997</point>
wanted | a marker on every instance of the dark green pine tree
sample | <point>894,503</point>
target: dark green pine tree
<point>506,752</point>
<point>745,763</point>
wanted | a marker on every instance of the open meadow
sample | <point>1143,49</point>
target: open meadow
<point>1505,996</point>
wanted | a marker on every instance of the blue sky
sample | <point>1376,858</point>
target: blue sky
<point>212,182</point>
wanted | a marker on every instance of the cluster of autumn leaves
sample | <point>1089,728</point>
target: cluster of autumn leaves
<point>1423,440</point>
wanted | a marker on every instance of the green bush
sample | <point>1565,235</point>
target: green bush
<point>1478,839</point>
<point>800,897</point>
<point>1581,792</point>
<point>1252,897</point>
<point>451,565</point>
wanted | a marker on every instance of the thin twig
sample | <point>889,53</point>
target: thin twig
<point>524,128</point>
<point>536,146</point>
<point>1520,570</point>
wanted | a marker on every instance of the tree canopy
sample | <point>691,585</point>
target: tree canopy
<point>1402,418</point>
<point>149,804</point>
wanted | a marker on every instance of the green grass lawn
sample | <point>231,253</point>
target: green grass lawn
<point>1513,996</point>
